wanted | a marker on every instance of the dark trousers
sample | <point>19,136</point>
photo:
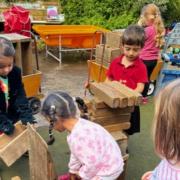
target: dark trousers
<point>150,65</point>
<point>135,121</point>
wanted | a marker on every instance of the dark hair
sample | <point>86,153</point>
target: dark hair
<point>134,35</point>
<point>6,47</point>
<point>59,103</point>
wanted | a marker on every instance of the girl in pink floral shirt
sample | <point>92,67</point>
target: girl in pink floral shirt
<point>95,155</point>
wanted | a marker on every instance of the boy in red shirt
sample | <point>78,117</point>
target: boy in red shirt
<point>129,69</point>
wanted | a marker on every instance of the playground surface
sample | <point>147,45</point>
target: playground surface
<point>70,78</point>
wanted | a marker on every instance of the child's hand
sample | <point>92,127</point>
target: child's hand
<point>147,175</point>
<point>86,85</point>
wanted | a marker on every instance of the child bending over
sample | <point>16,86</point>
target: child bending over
<point>13,102</point>
<point>95,154</point>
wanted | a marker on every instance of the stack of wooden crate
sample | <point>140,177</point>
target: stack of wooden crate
<point>105,53</point>
<point>111,107</point>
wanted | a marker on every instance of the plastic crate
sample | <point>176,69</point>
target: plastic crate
<point>170,75</point>
<point>174,58</point>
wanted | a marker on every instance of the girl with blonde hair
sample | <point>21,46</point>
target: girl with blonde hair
<point>153,25</point>
<point>167,133</point>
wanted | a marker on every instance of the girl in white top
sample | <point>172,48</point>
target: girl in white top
<point>167,134</point>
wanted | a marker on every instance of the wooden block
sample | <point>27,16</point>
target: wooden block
<point>110,97</point>
<point>110,112</point>
<point>122,141</point>
<point>118,127</point>
<point>109,53</point>
<point>104,121</point>
<point>125,100</point>
<point>14,146</point>
<point>119,135</point>
<point>136,97</point>
<point>122,176</point>
<point>98,104</point>
<point>114,39</point>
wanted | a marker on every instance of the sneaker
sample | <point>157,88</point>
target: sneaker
<point>144,100</point>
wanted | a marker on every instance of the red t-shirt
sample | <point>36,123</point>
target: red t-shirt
<point>129,76</point>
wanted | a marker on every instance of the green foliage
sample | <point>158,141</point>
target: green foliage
<point>114,14</point>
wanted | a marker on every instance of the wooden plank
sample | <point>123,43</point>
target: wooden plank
<point>41,165</point>
<point>18,55</point>
<point>26,48</point>
<point>15,148</point>
<point>125,99</point>
<point>118,127</point>
<point>110,112</point>
<point>104,121</point>
<point>128,91</point>
<point>110,97</point>
<point>14,37</point>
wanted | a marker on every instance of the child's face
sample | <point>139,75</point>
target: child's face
<point>58,126</point>
<point>131,51</point>
<point>6,65</point>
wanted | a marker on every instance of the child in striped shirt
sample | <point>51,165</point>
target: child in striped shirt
<point>167,134</point>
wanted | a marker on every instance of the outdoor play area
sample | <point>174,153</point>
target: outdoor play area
<point>60,47</point>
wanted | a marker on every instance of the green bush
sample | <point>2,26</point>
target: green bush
<point>114,14</point>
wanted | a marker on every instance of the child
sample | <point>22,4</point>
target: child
<point>154,30</point>
<point>13,101</point>
<point>167,133</point>
<point>129,69</point>
<point>94,153</point>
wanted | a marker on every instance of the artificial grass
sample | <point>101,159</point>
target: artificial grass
<point>142,157</point>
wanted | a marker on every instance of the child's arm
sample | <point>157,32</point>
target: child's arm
<point>140,87</point>
<point>74,164</point>
<point>147,175</point>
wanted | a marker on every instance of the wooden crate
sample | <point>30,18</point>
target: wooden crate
<point>23,47</point>
<point>109,53</point>
<point>114,39</point>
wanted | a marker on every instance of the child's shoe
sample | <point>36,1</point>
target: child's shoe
<point>64,177</point>
<point>145,100</point>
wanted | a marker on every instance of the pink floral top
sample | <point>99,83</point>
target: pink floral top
<point>94,152</point>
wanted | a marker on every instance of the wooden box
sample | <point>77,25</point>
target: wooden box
<point>109,53</point>
<point>114,39</point>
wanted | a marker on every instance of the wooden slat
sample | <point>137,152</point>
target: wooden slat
<point>110,97</point>
<point>111,120</point>
<point>41,165</point>
<point>110,112</point>
<point>117,127</point>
